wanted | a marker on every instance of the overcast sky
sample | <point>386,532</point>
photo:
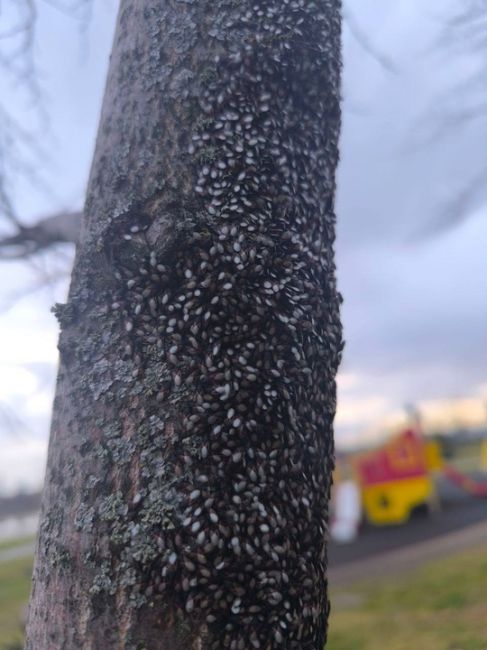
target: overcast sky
<point>415,312</point>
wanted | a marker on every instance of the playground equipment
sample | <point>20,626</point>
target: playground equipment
<point>398,477</point>
<point>465,482</point>
<point>347,511</point>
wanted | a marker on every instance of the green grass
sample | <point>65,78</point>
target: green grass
<point>14,593</point>
<point>442,606</point>
<point>466,457</point>
<point>17,541</point>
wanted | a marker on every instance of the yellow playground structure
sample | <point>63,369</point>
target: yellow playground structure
<point>399,476</point>
<point>396,478</point>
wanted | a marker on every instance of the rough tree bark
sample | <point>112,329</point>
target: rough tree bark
<point>191,450</point>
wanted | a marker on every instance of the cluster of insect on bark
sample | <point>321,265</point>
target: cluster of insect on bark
<point>233,329</point>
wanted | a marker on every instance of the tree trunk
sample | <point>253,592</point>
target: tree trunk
<point>191,450</point>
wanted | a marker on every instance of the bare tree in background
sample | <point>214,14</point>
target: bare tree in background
<point>191,449</point>
<point>466,105</point>
<point>460,107</point>
<point>21,150</point>
<point>464,33</point>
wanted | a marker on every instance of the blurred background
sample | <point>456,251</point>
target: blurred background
<point>409,519</point>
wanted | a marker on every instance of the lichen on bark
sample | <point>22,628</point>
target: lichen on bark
<point>200,341</point>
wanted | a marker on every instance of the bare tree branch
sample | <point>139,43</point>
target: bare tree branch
<point>461,106</point>
<point>457,209</point>
<point>467,28</point>
<point>20,149</point>
<point>43,281</point>
<point>366,43</point>
<point>11,422</point>
<point>58,228</point>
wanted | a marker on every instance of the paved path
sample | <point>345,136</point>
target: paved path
<point>459,511</point>
<point>408,557</point>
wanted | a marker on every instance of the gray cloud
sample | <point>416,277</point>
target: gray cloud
<point>415,313</point>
